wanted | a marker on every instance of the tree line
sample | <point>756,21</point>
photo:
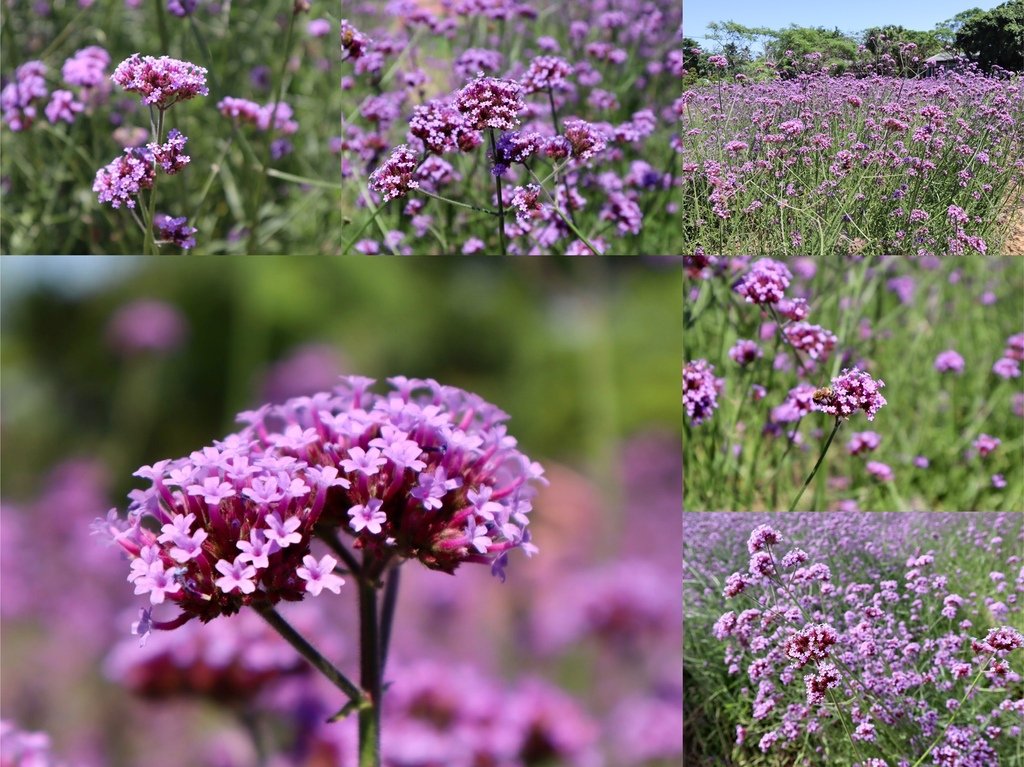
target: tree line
<point>989,38</point>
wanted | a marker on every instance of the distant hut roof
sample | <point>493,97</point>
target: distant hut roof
<point>938,58</point>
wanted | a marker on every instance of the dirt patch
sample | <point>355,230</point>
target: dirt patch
<point>1014,244</point>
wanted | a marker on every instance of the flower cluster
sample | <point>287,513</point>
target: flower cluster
<point>395,176</point>
<point>851,391</point>
<point>439,125</point>
<point>425,472</point>
<point>813,339</point>
<point>765,283</point>
<point>490,102</point>
<point>121,181</point>
<point>546,73</point>
<point>162,81</point>
<point>700,391</point>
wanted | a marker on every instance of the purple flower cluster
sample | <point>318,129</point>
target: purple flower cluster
<point>700,391</point>
<point>440,126</point>
<point>949,362</point>
<point>765,283</point>
<point>745,351</point>
<point>864,442</point>
<point>490,102</point>
<point>546,73</point>
<point>813,339</point>
<point>396,175</point>
<point>120,182</point>
<point>174,231</point>
<point>161,82</point>
<point>17,99</point>
<point>851,391</point>
<point>425,472</point>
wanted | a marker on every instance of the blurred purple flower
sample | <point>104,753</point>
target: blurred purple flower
<point>949,362</point>
<point>700,391</point>
<point>146,325</point>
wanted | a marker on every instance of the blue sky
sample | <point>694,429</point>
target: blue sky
<point>848,16</point>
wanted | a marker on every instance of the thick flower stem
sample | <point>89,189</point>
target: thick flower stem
<point>369,675</point>
<point>387,618</point>
<point>501,203</point>
<point>814,471</point>
<point>310,653</point>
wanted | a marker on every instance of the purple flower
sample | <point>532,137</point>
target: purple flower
<point>956,214</point>
<point>489,102</point>
<point>546,73</point>
<point>1006,367</point>
<point>162,81</point>
<point>368,517</point>
<point>394,177</point>
<point>87,68</point>
<point>998,481</point>
<point>320,575</point>
<point>921,462</point>
<point>700,391</point>
<point>851,391</point>
<point>526,201</point>
<point>584,138</point>
<point>318,28</point>
<point>949,362</point>
<point>235,575</point>
<point>811,643</point>
<point>761,537</point>
<point>793,128</point>
<point>475,60</point>
<point>18,96</point>
<point>124,178</point>
<point>353,42</point>
<point>863,442</point>
<point>170,156</point>
<point>145,325</point>
<point>880,471</point>
<point>818,684</point>
<point>765,282</point>
<point>985,444</point>
<point>182,8</point>
<point>745,351</point>
<point>718,61</point>
<point>813,339</point>
<point>63,106</point>
<point>624,211</point>
<point>439,125</point>
<point>174,231</point>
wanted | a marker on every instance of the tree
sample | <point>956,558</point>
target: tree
<point>837,49</point>
<point>946,31</point>
<point>895,41</point>
<point>995,38</point>
<point>737,40</point>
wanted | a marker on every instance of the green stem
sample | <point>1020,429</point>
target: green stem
<point>161,23</point>
<point>387,619</point>
<point>814,471</point>
<point>488,211</point>
<point>369,673</point>
<point>151,247</point>
<point>310,653</point>
<point>955,712</point>
<point>501,203</point>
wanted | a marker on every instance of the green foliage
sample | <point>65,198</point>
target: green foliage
<point>946,31</point>
<point>838,49</point>
<point>995,38</point>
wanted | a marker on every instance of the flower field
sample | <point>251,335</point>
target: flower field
<point>405,127</point>
<point>870,640</point>
<point>853,383</point>
<point>818,163</point>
